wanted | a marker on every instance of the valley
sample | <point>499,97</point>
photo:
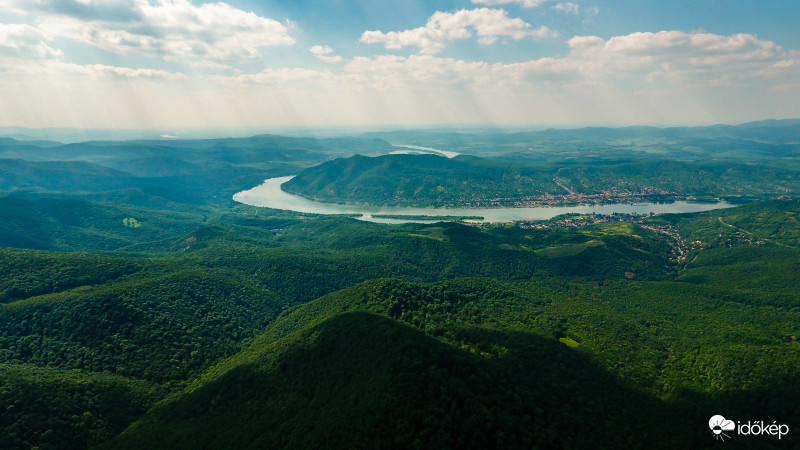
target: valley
<point>270,194</point>
<point>144,307</point>
<point>414,225</point>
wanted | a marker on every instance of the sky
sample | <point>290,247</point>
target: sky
<point>192,64</point>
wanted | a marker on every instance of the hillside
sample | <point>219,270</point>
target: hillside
<point>479,364</point>
<point>428,180</point>
<point>73,176</point>
<point>68,224</point>
<point>567,335</point>
<point>359,380</point>
<point>139,310</point>
<point>201,172</point>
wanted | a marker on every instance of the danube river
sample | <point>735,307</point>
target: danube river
<point>270,195</point>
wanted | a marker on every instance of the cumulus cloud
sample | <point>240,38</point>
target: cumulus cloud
<point>676,43</point>
<point>701,58</point>
<point>640,77</point>
<point>325,53</point>
<point>627,62</point>
<point>444,28</point>
<point>25,41</point>
<point>624,75</point>
<point>210,34</point>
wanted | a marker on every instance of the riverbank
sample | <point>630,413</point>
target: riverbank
<point>270,195</point>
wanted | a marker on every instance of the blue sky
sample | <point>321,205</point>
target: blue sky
<point>181,64</point>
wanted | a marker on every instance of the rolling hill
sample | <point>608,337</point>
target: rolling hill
<point>429,180</point>
<point>156,315</point>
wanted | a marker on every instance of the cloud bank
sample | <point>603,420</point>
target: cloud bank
<point>176,63</point>
<point>444,28</point>
<point>210,34</point>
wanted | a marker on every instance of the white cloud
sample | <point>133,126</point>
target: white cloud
<point>325,53</point>
<point>25,41</point>
<point>285,78</point>
<point>788,68</point>
<point>54,71</point>
<point>698,58</point>
<point>636,78</point>
<point>525,3</point>
<point>567,8</point>
<point>664,77</point>
<point>211,34</point>
<point>117,10</point>
<point>444,28</point>
<point>105,71</point>
<point>625,62</point>
<point>678,43</point>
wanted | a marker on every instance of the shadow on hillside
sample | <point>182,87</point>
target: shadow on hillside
<point>360,380</point>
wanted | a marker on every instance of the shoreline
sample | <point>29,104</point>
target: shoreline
<point>270,194</point>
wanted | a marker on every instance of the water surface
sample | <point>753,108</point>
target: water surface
<point>270,195</point>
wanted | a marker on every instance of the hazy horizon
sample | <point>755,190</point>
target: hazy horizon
<point>75,135</point>
<point>241,64</point>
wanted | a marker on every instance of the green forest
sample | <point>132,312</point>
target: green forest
<point>141,307</point>
<point>430,180</point>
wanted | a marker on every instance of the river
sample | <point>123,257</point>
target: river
<point>270,195</point>
<point>417,150</point>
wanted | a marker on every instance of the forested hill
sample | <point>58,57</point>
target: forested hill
<point>413,180</point>
<point>144,308</point>
<point>194,171</point>
<point>476,363</point>
<point>430,180</point>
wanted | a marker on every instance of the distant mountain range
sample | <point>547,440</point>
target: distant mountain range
<point>73,135</point>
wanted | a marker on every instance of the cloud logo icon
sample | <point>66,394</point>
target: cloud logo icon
<point>719,425</point>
